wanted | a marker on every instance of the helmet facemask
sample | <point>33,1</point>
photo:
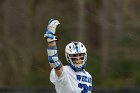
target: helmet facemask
<point>76,57</point>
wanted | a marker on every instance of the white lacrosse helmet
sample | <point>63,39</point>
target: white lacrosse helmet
<point>76,55</point>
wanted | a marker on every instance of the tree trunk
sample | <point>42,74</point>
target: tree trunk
<point>104,37</point>
<point>117,11</point>
<point>9,42</point>
<point>81,21</point>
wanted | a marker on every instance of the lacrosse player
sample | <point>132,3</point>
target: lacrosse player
<point>72,78</point>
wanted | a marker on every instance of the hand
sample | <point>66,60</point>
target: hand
<point>51,29</point>
<point>52,24</point>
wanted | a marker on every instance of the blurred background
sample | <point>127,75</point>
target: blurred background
<point>110,29</point>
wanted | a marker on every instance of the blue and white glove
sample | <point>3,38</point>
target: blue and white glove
<point>51,29</point>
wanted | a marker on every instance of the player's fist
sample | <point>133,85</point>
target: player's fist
<point>52,24</point>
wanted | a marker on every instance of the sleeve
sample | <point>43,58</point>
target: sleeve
<point>58,80</point>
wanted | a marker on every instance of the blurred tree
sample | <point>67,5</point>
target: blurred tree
<point>81,21</point>
<point>17,39</point>
<point>109,28</point>
<point>104,32</point>
<point>9,42</point>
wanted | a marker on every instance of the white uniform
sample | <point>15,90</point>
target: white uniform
<point>71,81</point>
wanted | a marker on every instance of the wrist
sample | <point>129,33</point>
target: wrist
<point>53,43</point>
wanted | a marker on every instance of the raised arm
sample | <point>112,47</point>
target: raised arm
<point>52,48</point>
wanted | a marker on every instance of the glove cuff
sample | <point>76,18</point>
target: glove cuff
<point>50,36</point>
<point>52,39</point>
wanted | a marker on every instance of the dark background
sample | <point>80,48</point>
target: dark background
<point>110,29</point>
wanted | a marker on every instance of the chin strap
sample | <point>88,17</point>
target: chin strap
<point>77,69</point>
